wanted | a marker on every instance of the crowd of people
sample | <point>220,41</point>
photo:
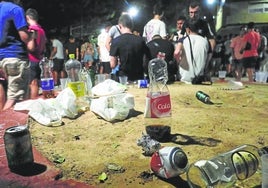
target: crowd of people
<point>193,50</point>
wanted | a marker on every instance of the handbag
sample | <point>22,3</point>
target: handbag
<point>198,79</point>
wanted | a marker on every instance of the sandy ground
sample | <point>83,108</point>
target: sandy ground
<point>88,144</point>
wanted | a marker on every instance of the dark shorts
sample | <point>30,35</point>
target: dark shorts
<point>238,64</point>
<point>35,71</point>
<point>249,62</point>
<point>106,67</point>
<point>58,65</point>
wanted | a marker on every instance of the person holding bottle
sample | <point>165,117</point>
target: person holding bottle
<point>15,41</point>
<point>38,53</point>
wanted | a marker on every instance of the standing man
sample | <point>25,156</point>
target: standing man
<point>236,45</point>
<point>36,55</point>
<point>57,55</point>
<point>72,48</point>
<point>155,26</point>
<point>130,49</point>
<point>105,67</point>
<point>251,42</point>
<point>14,42</point>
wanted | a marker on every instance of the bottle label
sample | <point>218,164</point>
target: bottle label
<point>158,105</point>
<point>78,88</point>
<point>47,84</point>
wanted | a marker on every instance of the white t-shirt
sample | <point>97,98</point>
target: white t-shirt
<point>154,27</point>
<point>104,53</point>
<point>60,52</point>
<point>200,49</point>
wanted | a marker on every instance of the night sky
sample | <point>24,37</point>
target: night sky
<point>63,13</point>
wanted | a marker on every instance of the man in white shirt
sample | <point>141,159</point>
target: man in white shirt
<point>105,67</point>
<point>155,26</point>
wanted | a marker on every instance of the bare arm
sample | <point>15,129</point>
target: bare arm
<point>53,52</point>
<point>177,52</point>
<point>108,43</point>
<point>28,39</point>
<point>113,62</point>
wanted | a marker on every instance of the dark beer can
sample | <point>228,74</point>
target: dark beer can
<point>203,97</point>
<point>18,147</point>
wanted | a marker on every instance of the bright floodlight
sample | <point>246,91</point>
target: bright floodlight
<point>210,2</point>
<point>133,11</point>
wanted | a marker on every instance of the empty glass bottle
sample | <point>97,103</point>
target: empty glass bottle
<point>226,168</point>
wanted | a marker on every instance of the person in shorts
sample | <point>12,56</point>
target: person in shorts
<point>57,55</point>
<point>35,56</point>
<point>14,43</point>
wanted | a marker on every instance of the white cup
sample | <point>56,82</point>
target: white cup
<point>222,75</point>
<point>264,167</point>
<point>99,78</point>
<point>123,80</point>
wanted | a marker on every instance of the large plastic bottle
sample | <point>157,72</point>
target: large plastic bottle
<point>73,69</point>
<point>226,168</point>
<point>158,98</point>
<point>47,82</point>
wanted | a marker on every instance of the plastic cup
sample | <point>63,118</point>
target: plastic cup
<point>257,76</point>
<point>264,167</point>
<point>123,80</point>
<point>222,75</point>
<point>64,83</point>
<point>99,78</point>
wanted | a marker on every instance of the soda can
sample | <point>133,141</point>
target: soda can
<point>18,147</point>
<point>169,162</point>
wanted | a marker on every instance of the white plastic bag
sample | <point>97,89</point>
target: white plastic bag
<point>113,107</point>
<point>108,87</point>
<point>50,111</point>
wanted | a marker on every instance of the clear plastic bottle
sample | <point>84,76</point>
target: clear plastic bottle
<point>79,83</point>
<point>73,69</point>
<point>158,102</point>
<point>226,168</point>
<point>158,73</point>
<point>47,82</point>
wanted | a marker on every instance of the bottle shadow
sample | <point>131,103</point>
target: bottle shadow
<point>162,134</point>
<point>197,140</point>
<point>176,182</point>
<point>29,169</point>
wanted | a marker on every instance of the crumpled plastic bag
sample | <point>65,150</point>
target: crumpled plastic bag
<point>49,112</point>
<point>113,107</point>
<point>108,87</point>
